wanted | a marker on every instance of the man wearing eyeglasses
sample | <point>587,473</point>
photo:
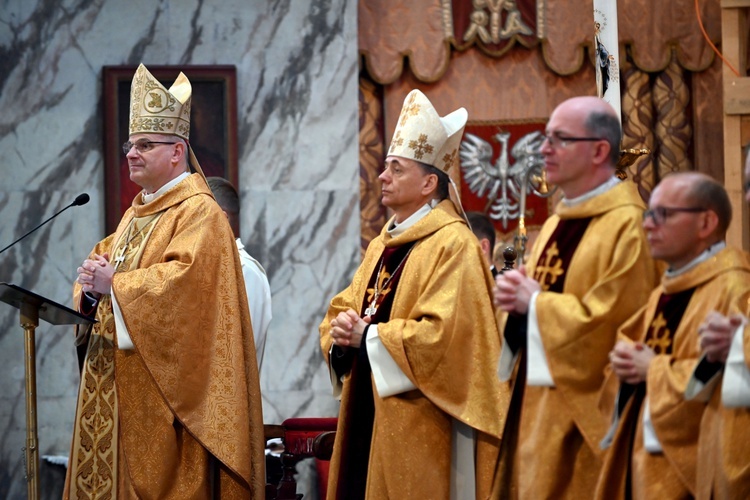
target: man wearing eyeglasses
<point>589,270</point>
<point>723,379</point>
<point>169,402</point>
<point>653,438</point>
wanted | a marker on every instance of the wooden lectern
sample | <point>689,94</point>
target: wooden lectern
<point>32,307</point>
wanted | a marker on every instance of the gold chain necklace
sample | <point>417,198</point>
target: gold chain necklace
<point>123,250</point>
<point>370,311</point>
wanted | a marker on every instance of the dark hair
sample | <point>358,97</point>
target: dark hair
<point>225,194</point>
<point>228,199</point>
<point>708,193</point>
<point>482,227</point>
<point>606,126</point>
<point>441,193</point>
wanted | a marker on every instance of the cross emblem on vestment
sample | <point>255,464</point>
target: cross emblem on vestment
<point>421,146</point>
<point>397,139</point>
<point>547,273</point>
<point>448,159</point>
<point>411,110</point>
<point>662,337</point>
<point>375,293</point>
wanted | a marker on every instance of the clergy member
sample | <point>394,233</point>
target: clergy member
<point>653,439</point>
<point>589,271</point>
<point>412,343</point>
<point>169,404</point>
<point>724,377</point>
<point>484,230</point>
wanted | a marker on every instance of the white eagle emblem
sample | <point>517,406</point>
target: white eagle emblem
<point>502,182</point>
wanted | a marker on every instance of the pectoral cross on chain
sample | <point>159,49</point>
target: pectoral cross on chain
<point>370,311</point>
<point>120,258</point>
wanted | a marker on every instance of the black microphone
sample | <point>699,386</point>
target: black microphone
<point>81,199</point>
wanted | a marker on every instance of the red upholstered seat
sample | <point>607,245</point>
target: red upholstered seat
<point>302,438</point>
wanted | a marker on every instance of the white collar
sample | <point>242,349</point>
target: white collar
<point>148,198</point>
<point>704,256</point>
<point>600,189</point>
<point>397,229</point>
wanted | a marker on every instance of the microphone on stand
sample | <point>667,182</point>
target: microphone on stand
<point>81,199</point>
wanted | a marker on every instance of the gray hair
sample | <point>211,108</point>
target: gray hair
<point>606,126</point>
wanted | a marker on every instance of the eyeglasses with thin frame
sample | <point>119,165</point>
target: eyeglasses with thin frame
<point>562,141</point>
<point>659,215</point>
<point>142,145</point>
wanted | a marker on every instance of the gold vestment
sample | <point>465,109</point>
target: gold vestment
<point>179,416</point>
<point>723,451</point>
<point>721,283</point>
<point>443,335</point>
<point>609,277</point>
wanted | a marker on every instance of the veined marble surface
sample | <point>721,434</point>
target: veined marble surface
<point>297,69</point>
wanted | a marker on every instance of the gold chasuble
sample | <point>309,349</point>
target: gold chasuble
<point>431,291</point>
<point>178,414</point>
<point>669,325</point>
<point>723,452</point>
<point>594,266</point>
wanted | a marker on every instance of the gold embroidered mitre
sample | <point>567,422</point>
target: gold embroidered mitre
<point>154,109</point>
<point>422,135</point>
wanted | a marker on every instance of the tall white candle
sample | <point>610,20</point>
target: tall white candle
<point>608,52</point>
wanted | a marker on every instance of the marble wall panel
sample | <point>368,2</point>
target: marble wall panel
<point>297,72</point>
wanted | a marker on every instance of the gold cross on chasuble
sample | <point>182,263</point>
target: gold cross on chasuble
<point>661,338</point>
<point>379,296</point>
<point>667,317</point>
<point>554,260</point>
<point>550,267</point>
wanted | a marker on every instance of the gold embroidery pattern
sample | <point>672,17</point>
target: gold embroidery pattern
<point>409,111</point>
<point>550,269</point>
<point>421,146</point>
<point>397,141</point>
<point>155,124</point>
<point>95,445</point>
<point>160,98</point>
<point>94,460</point>
<point>449,159</point>
<point>154,109</point>
<point>660,339</point>
<point>480,20</point>
<point>155,101</point>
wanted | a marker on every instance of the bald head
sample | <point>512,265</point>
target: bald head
<point>704,191</point>
<point>582,145</point>
<point>688,213</point>
<point>599,120</point>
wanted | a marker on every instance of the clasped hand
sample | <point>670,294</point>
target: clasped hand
<point>513,290</point>
<point>95,275</point>
<point>716,335</point>
<point>630,361</point>
<point>347,328</point>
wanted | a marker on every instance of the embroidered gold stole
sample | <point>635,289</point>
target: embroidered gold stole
<point>93,465</point>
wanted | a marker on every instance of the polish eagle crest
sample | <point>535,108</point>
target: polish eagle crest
<point>502,182</point>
